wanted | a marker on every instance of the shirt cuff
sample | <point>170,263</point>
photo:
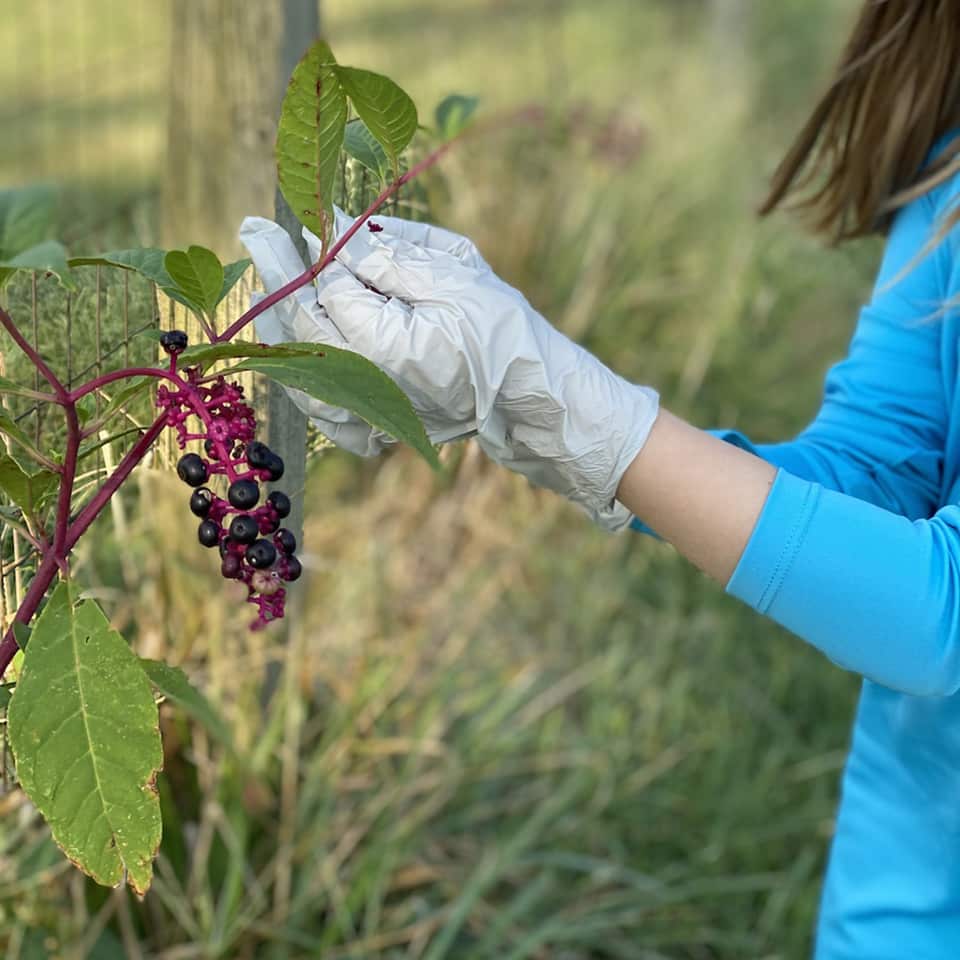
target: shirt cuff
<point>775,542</point>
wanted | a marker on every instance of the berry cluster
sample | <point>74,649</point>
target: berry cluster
<point>253,547</point>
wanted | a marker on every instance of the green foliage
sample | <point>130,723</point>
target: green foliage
<point>309,137</point>
<point>453,114</point>
<point>198,275</point>
<point>83,728</point>
<point>172,682</point>
<point>313,128</point>
<point>388,112</point>
<point>9,428</point>
<point>26,489</point>
<point>335,376</point>
<point>193,277</point>
<point>26,219</point>
<point>363,146</point>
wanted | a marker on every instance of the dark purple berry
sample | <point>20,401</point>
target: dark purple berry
<point>243,494</point>
<point>280,502</point>
<point>192,470</point>
<point>230,566</point>
<point>210,449</point>
<point>258,454</point>
<point>225,546</point>
<point>174,342</point>
<point>244,529</point>
<point>261,554</point>
<point>285,540</point>
<point>291,570</point>
<point>208,533</point>
<point>200,501</point>
<point>274,465</point>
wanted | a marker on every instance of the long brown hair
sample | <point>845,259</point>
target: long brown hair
<point>896,91</point>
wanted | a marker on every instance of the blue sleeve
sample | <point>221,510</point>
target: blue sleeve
<point>850,551</point>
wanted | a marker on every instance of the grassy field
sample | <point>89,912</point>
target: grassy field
<point>494,731</point>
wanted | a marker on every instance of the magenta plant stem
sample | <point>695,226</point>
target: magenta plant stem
<point>53,561</point>
<point>196,401</point>
<point>60,391</point>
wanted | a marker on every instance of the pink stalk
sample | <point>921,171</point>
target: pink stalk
<point>59,389</point>
<point>51,562</point>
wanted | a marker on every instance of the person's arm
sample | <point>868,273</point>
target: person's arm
<point>697,492</point>
<point>836,535</point>
<point>877,592</point>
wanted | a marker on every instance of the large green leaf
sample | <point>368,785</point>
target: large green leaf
<point>49,256</point>
<point>453,113</point>
<point>362,145</point>
<point>85,734</point>
<point>26,218</point>
<point>309,137</point>
<point>385,108</point>
<point>349,380</point>
<point>172,682</point>
<point>25,489</point>
<point>198,274</point>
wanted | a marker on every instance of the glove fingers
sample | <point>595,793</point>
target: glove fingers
<point>434,238</point>
<point>398,268</point>
<point>370,323</point>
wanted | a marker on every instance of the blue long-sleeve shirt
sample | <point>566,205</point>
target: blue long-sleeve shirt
<point>857,551</point>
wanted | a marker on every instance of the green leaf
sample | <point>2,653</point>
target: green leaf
<point>232,273</point>
<point>8,386</point>
<point>309,137</point>
<point>362,145</point>
<point>349,380</point>
<point>84,731</point>
<point>198,274</point>
<point>21,633</point>
<point>204,355</point>
<point>25,489</point>
<point>50,256</point>
<point>6,692</point>
<point>385,108</point>
<point>147,261</point>
<point>9,427</point>
<point>453,113</point>
<point>26,218</point>
<point>172,682</point>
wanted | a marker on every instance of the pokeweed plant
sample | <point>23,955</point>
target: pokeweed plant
<point>81,715</point>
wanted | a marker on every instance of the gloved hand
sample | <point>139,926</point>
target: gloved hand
<point>471,353</point>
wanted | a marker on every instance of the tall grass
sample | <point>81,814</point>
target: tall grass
<point>494,731</point>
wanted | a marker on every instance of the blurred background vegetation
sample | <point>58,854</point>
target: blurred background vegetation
<point>494,731</point>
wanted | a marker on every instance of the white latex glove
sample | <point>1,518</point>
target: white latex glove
<point>474,356</point>
<point>300,318</point>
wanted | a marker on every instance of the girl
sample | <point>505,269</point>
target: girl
<point>849,535</point>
